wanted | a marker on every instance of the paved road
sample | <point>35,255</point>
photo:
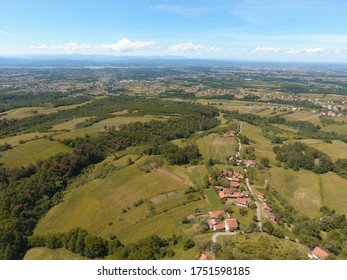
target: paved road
<point>214,237</point>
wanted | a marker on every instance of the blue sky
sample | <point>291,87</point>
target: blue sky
<point>282,30</point>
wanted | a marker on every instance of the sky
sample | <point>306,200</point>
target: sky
<point>259,30</point>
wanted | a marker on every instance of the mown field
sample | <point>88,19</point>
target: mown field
<point>217,147</point>
<point>105,206</point>
<point>32,151</point>
<point>308,191</point>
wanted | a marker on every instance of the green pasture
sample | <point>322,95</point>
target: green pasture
<point>30,152</point>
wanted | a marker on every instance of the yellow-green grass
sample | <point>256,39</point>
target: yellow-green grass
<point>213,201</point>
<point>339,129</point>
<point>164,224</point>
<point>198,174</point>
<point>258,245</point>
<point>119,120</point>
<point>337,149</point>
<point>300,188</point>
<point>13,140</point>
<point>32,151</point>
<point>68,125</point>
<point>217,147</point>
<point>80,132</point>
<point>335,192</point>
<point>97,206</point>
<point>20,113</point>
<point>262,145</point>
<point>43,253</point>
<point>180,254</point>
<point>304,116</point>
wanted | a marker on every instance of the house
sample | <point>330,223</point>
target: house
<point>241,202</point>
<point>241,177</point>
<point>230,133</point>
<point>235,179</point>
<point>319,253</point>
<point>266,207</point>
<point>219,188</point>
<point>245,194</point>
<point>260,196</point>
<point>234,184</point>
<point>219,226</point>
<point>222,196</point>
<point>230,224</point>
<point>205,256</point>
<point>215,214</point>
<point>236,174</point>
<point>251,163</point>
<point>272,217</point>
<point>234,195</point>
<point>211,223</point>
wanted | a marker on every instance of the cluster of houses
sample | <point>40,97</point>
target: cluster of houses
<point>234,160</point>
<point>266,207</point>
<point>219,220</point>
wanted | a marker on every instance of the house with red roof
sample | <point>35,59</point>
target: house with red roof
<point>215,214</point>
<point>234,184</point>
<point>231,224</point>
<point>241,202</point>
<point>260,196</point>
<point>219,226</point>
<point>319,254</point>
<point>266,207</point>
<point>205,256</point>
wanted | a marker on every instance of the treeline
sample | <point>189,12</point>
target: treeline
<point>175,154</point>
<point>303,128</point>
<point>299,155</point>
<point>102,109</point>
<point>54,99</point>
<point>79,241</point>
<point>27,193</point>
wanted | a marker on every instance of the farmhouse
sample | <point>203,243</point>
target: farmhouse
<point>230,224</point>
<point>234,184</point>
<point>218,227</point>
<point>260,196</point>
<point>230,133</point>
<point>266,207</point>
<point>319,253</point>
<point>251,163</point>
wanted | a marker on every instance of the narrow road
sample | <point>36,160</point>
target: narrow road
<point>214,237</point>
<point>260,225</point>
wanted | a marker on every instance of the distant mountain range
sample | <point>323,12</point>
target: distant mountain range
<point>75,60</point>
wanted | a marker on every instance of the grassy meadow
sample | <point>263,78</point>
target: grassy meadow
<point>31,151</point>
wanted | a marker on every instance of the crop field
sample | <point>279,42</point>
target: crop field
<point>105,206</point>
<point>335,192</point>
<point>304,115</point>
<point>13,140</point>
<point>217,147</point>
<point>69,125</point>
<point>301,189</point>
<point>339,129</point>
<point>32,151</point>
<point>21,113</point>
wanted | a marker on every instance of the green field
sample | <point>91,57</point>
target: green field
<point>51,254</point>
<point>301,189</point>
<point>217,147</point>
<point>13,140</point>
<point>97,206</point>
<point>32,151</point>
<point>304,115</point>
<point>69,125</point>
<point>339,129</point>
<point>262,145</point>
<point>337,149</point>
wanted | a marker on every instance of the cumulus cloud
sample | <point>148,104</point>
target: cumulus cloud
<point>121,46</point>
<point>190,47</point>
<point>265,50</point>
<point>307,51</point>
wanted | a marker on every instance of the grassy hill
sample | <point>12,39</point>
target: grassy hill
<point>43,253</point>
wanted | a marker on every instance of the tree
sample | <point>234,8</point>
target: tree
<point>243,211</point>
<point>265,162</point>
<point>268,227</point>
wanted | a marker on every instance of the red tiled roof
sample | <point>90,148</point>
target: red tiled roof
<point>234,184</point>
<point>219,187</point>
<point>218,226</point>
<point>215,214</point>
<point>232,223</point>
<point>266,207</point>
<point>222,195</point>
<point>206,256</point>
<point>320,253</point>
<point>241,201</point>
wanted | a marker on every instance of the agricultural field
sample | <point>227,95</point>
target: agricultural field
<point>217,147</point>
<point>31,152</point>
<point>338,128</point>
<point>304,115</point>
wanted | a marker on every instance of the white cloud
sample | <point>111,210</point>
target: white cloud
<point>190,47</point>
<point>121,46</point>
<point>265,50</point>
<point>307,51</point>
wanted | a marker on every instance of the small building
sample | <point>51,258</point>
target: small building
<point>260,196</point>
<point>272,217</point>
<point>234,184</point>
<point>319,254</point>
<point>231,224</point>
<point>241,202</point>
<point>222,196</point>
<point>251,163</point>
<point>215,214</point>
<point>205,256</point>
<point>266,207</point>
<point>219,226</point>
